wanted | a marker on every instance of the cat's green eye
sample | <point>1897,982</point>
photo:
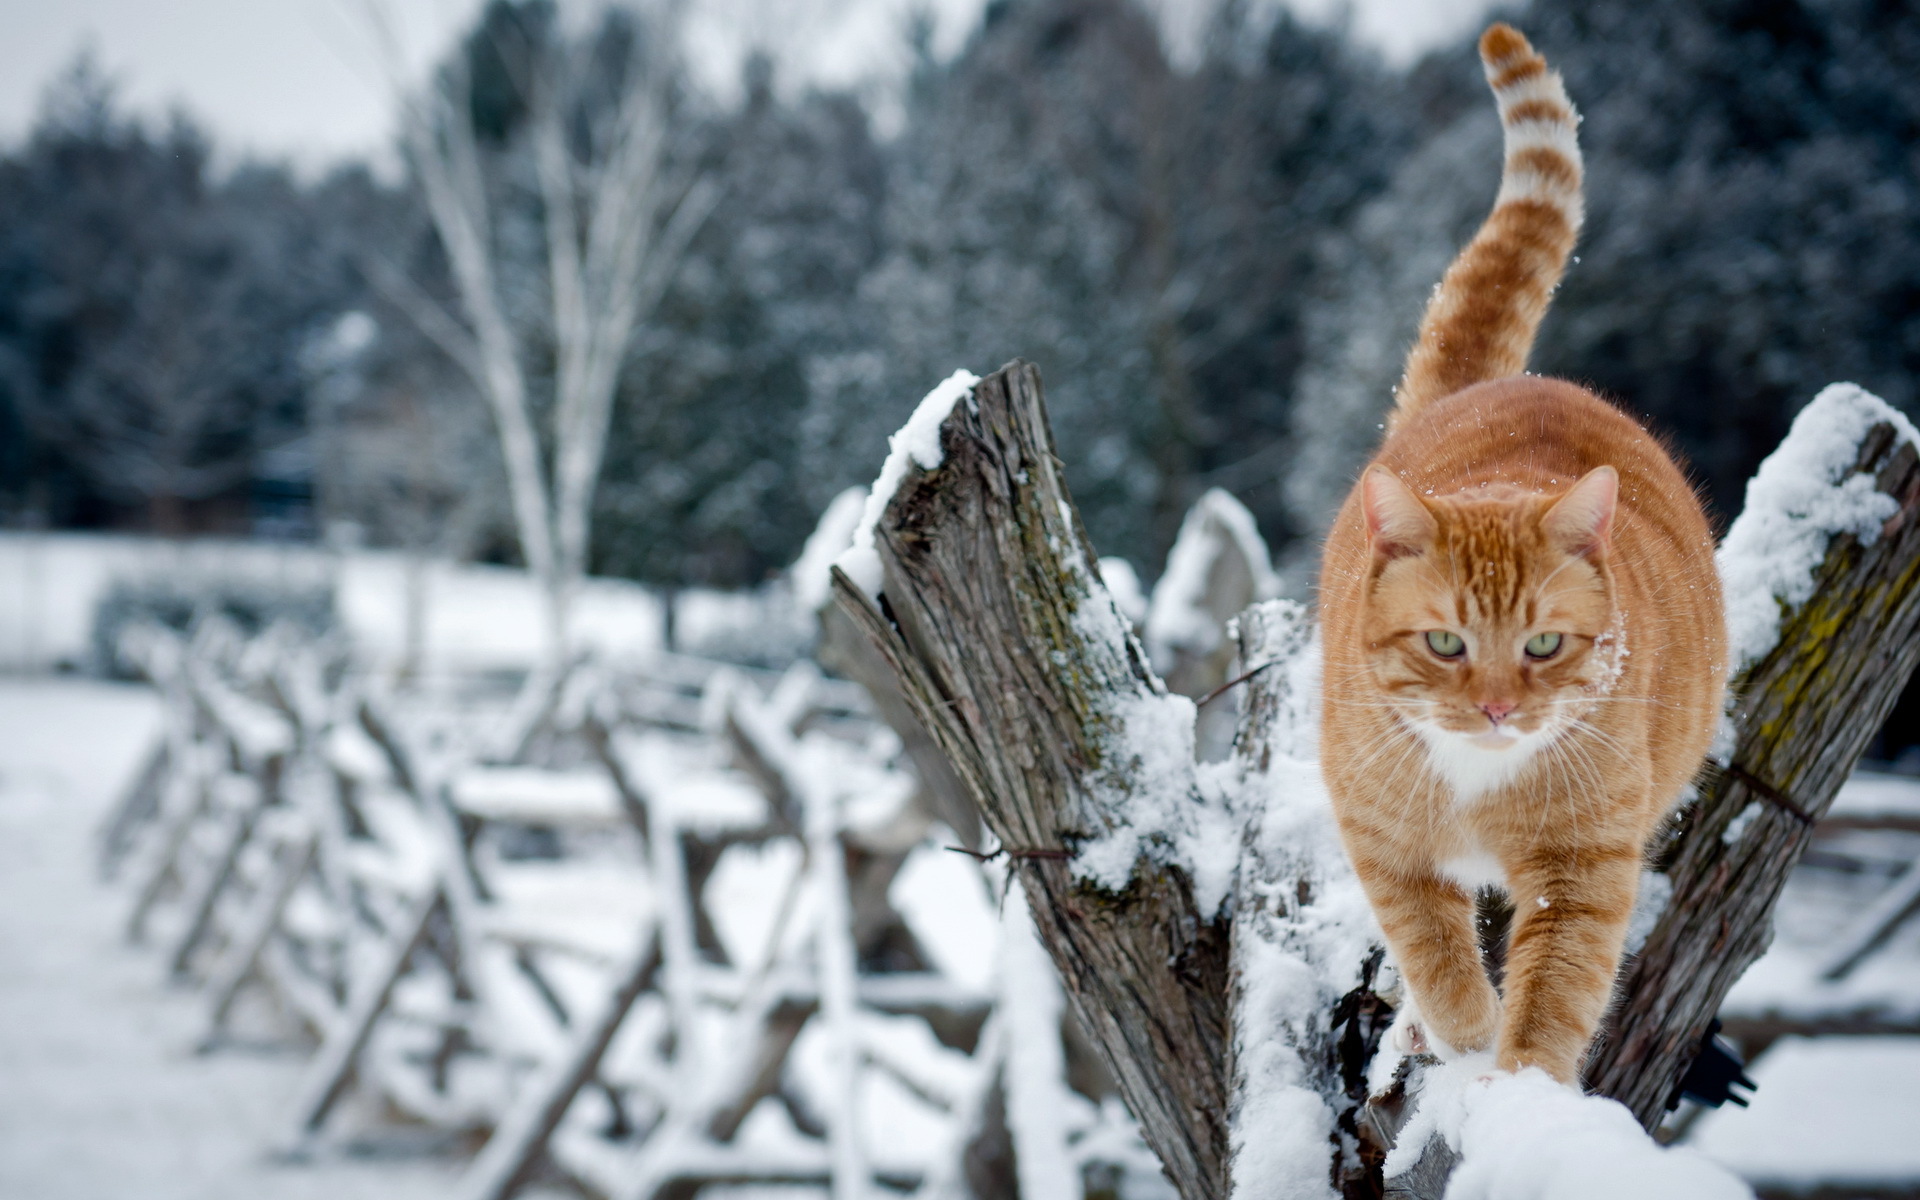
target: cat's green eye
<point>1445,643</point>
<point>1543,645</point>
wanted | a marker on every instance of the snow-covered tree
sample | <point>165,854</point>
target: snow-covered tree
<point>564,194</point>
<point>154,306</point>
<point>714,479</point>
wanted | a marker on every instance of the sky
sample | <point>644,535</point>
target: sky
<point>311,80</point>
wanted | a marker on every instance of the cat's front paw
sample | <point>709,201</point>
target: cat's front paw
<point>1413,1032</point>
<point>1406,1036</point>
<point>1559,1059</point>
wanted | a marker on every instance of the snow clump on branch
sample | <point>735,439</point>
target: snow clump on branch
<point>1523,1136</point>
<point>812,572</point>
<point>916,444</point>
<point>1805,493</point>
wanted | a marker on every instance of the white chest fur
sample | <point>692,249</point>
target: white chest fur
<point>1472,770</point>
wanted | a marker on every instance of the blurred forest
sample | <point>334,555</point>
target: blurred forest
<point>1216,264</point>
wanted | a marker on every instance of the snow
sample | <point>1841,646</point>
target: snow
<point>835,961</point>
<point>1812,922</point>
<point>590,907</point>
<point>104,1096</point>
<point>1839,1112</point>
<point>1649,903</point>
<point>1182,613</point>
<point>682,780</point>
<point>944,900</point>
<point>1123,584</point>
<point>917,443</point>
<point>1737,828</point>
<point>531,795</point>
<point>1804,494</point>
<point>479,618</point>
<point>1039,1105</point>
<point>1525,1137</point>
<point>1145,781</point>
<point>1294,960</point>
<point>748,895</point>
<point>1147,788</point>
<point>832,536</point>
<point>1873,794</point>
<point>764,625</point>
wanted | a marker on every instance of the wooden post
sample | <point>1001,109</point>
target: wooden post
<point>1805,713</point>
<point>520,1142</point>
<point>987,569</point>
<point>332,1069</point>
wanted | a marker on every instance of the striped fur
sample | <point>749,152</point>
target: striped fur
<point>1481,321</point>
<point>1501,509</point>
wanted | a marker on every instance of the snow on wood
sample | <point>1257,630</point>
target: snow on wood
<point>1525,1137</point>
<point>537,796</point>
<point>917,444</point>
<point>835,962</point>
<point>832,536</point>
<point>1123,584</point>
<point>1302,929</point>
<point>1836,524</point>
<point>1219,564</point>
<point>1805,493</point>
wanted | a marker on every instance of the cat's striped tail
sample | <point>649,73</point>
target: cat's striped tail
<point>1481,320</point>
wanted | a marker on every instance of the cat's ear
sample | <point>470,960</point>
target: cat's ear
<point>1582,520</point>
<point>1397,523</point>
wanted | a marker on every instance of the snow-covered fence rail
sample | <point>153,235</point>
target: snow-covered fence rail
<point>978,586</point>
<point>1016,660</point>
<point>714,936</point>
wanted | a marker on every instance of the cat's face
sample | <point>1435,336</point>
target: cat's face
<point>1487,622</point>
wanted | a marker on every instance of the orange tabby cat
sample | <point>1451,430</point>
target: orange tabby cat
<point>1525,653</point>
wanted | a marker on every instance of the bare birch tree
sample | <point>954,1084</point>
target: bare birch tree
<point>619,199</point>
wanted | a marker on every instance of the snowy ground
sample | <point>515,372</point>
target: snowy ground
<point>101,1095</point>
<point>477,617</point>
<point>1831,1110</point>
<point>1836,1110</point>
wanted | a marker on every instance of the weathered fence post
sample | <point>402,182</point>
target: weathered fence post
<point>993,627</point>
<point>1805,713</point>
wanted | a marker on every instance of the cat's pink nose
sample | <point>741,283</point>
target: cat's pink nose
<point>1496,712</point>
